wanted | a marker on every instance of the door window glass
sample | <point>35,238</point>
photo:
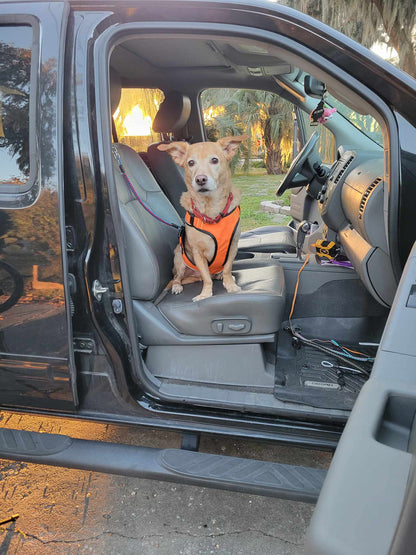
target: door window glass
<point>326,145</point>
<point>15,75</point>
<point>364,122</point>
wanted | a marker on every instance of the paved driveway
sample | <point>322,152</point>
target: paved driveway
<point>64,511</point>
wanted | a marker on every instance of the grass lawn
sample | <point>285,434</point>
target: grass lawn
<point>255,187</point>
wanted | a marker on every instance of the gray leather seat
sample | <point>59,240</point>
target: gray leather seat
<point>257,309</point>
<point>169,175</point>
<point>172,117</point>
<point>263,239</point>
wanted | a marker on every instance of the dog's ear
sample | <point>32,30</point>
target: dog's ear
<point>230,144</point>
<point>177,150</point>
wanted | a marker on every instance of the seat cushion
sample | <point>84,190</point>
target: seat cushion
<point>268,239</point>
<point>256,309</point>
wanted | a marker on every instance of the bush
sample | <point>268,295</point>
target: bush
<point>258,164</point>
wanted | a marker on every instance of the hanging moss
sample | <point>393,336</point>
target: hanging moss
<point>369,21</point>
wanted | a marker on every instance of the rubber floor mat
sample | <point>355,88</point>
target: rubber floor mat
<point>301,378</point>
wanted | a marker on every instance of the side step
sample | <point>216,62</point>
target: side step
<point>297,483</point>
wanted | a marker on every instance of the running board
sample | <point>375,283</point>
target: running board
<point>297,483</point>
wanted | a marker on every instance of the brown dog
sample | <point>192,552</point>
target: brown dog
<point>212,205</point>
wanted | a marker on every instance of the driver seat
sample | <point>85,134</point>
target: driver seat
<point>172,116</point>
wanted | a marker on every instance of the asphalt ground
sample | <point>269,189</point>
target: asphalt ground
<point>64,511</point>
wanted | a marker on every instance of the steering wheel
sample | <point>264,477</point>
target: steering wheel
<point>295,177</point>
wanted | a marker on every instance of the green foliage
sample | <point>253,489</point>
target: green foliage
<point>237,111</point>
<point>255,187</point>
<point>258,164</point>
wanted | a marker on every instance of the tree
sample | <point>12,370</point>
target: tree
<point>278,134</point>
<point>15,82</point>
<point>237,111</point>
<point>370,21</point>
<point>14,95</point>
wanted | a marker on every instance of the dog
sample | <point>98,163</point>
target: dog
<point>212,224</point>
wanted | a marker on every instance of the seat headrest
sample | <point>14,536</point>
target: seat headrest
<point>115,90</point>
<point>173,113</point>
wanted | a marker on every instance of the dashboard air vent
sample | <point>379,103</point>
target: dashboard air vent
<point>343,169</point>
<point>368,192</point>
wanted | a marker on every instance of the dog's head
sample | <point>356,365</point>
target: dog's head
<point>206,165</point>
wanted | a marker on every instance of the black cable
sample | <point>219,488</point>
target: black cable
<point>331,352</point>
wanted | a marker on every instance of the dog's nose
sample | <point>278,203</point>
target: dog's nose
<point>201,180</point>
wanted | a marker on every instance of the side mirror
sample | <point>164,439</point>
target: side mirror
<point>313,87</point>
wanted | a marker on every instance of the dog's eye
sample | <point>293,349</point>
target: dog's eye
<point>191,163</point>
<point>214,160</point>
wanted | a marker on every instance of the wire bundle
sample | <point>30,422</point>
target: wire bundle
<point>339,351</point>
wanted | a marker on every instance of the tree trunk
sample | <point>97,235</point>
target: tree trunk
<point>404,47</point>
<point>400,40</point>
<point>273,156</point>
<point>246,165</point>
<point>273,161</point>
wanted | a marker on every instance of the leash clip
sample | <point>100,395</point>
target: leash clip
<point>181,232</point>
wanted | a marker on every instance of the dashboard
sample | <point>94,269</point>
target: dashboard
<point>352,204</point>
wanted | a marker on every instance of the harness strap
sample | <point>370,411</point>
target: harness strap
<point>206,219</point>
<point>221,233</point>
<point>133,190</point>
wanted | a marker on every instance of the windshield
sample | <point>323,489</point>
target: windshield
<point>365,123</point>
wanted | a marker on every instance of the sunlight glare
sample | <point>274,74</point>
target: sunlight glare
<point>135,124</point>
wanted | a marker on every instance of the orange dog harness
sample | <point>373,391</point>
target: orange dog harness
<point>221,230</point>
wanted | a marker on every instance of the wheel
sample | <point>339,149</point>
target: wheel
<point>11,286</point>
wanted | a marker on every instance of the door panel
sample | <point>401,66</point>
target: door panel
<point>369,493</point>
<point>35,358</point>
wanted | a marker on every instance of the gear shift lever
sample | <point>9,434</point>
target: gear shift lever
<point>303,229</point>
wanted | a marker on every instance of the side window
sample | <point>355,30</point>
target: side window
<point>134,117</point>
<point>15,84</point>
<point>264,158</point>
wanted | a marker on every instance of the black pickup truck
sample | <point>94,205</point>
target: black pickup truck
<point>87,329</point>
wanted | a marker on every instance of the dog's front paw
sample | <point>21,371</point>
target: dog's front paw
<point>201,297</point>
<point>177,288</point>
<point>232,288</point>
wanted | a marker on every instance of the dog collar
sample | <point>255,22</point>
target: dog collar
<point>206,219</point>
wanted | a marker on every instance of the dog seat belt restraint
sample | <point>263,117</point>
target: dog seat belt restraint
<point>221,232</point>
<point>180,228</point>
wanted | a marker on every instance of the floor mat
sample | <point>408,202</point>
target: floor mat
<point>301,378</point>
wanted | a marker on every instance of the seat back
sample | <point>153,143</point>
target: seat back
<point>169,175</point>
<point>172,116</point>
<point>149,243</point>
<point>173,113</point>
